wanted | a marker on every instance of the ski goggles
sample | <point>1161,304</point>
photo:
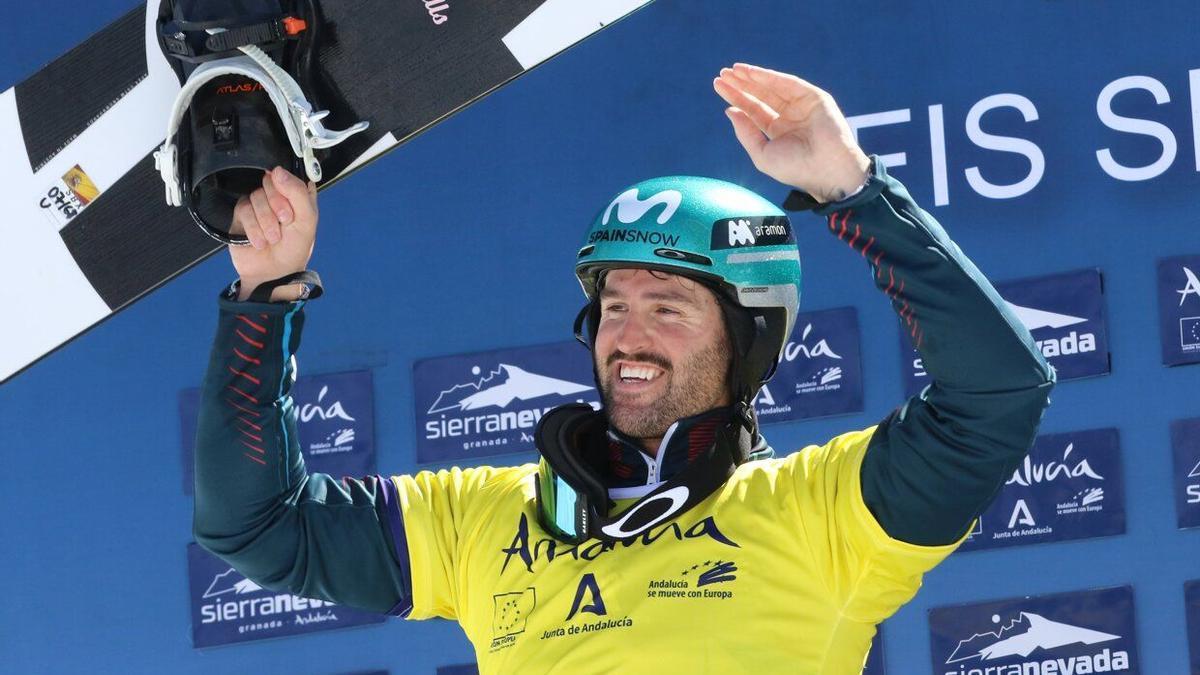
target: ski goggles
<point>572,501</point>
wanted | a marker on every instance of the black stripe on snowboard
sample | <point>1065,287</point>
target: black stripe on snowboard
<point>129,241</point>
<point>61,100</point>
<point>403,70</point>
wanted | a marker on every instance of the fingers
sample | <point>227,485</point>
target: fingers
<point>244,216</point>
<point>301,196</point>
<point>241,214</point>
<point>761,114</point>
<point>748,134</point>
<point>267,221</point>
<point>766,94</point>
<point>283,200</point>
<point>785,84</point>
<point>278,203</point>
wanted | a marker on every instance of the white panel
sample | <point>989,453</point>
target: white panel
<point>44,298</point>
<point>123,134</point>
<point>386,141</point>
<point>558,24</point>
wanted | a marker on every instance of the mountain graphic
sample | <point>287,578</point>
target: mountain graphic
<point>1195,472</point>
<point>221,585</point>
<point>1037,318</point>
<point>1038,633</point>
<point>500,387</point>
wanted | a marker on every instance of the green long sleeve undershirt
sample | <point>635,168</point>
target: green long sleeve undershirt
<point>936,463</point>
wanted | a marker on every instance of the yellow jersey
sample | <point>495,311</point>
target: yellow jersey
<point>783,569</point>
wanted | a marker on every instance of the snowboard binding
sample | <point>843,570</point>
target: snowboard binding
<point>246,106</point>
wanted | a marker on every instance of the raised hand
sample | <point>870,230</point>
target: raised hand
<point>793,131</point>
<point>280,219</point>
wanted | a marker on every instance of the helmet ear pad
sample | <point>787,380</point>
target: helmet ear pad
<point>757,337</point>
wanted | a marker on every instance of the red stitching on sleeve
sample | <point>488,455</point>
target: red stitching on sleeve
<point>253,447</point>
<point>247,433</point>
<point>243,420</point>
<point>254,458</point>
<point>252,399</point>
<point>245,410</point>
<point>261,329</point>
<point>905,310</point>
<point>239,373</point>
<point>247,338</point>
<point>251,359</point>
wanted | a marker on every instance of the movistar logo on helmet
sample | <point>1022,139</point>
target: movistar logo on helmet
<point>752,231</point>
<point>630,208</point>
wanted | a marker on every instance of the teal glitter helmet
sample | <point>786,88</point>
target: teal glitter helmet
<point>742,248</point>
<point>734,241</point>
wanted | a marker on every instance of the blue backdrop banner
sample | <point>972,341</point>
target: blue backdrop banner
<point>489,403</point>
<point>335,420</point>
<point>1185,446</point>
<point>228,608</point>
<point>1179,309</point>
<point>1068,487</point>
<point>820,371</point>
<point>1082,632</point>
<point>1191,600</point>
<point>1064,312</point>
<point>875,664</point>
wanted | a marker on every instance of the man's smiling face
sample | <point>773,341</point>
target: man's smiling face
<point>662,351</point>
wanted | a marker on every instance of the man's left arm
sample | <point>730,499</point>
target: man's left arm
<point>934,464</point>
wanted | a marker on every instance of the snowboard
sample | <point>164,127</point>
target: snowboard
<point>86,229</point>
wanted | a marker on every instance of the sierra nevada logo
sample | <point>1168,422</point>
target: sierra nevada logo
<point>498,392</point>
<point>1191,288</point>
<point>490,398</point>
<point>258,603</point>
<point>630,209</point>
<point>1037,318</point>
<point>1071,343</point>
<point>1032,633</point>
<point>226,582</point>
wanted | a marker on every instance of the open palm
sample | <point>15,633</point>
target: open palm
<point>793,131</point>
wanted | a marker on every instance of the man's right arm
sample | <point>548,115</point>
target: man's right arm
<point>257,507</point>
